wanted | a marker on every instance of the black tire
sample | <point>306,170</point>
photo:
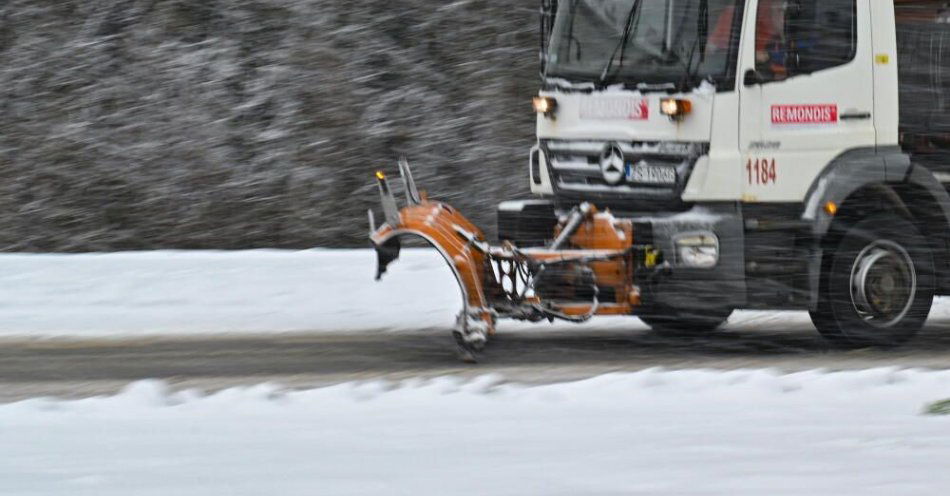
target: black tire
<point>685,322</point>
<point>877,286</point>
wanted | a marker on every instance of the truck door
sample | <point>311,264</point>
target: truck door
<point>806,95</point>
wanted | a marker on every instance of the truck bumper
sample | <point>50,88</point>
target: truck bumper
<point>722,285</point>
<point>686,285</point>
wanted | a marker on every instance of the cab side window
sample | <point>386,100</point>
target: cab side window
<point>796,37</point>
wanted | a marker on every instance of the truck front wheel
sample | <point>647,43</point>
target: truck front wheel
<point>877,285</point>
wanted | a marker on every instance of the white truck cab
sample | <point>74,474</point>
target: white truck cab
<point>783,154</point>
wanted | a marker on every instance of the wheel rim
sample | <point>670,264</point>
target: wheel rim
<point>883,283</point>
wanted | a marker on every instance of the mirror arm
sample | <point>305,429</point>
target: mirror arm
<point>752,78</point>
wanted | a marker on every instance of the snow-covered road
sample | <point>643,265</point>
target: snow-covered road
<point>654,432</point>
<point>213,320</point>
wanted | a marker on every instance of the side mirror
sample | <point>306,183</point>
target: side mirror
<point>752,78</point>
<point>795,25</point>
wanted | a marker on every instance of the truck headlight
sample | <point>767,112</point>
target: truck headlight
<point>675,108</point>
<point>544,105</point>
<point>698,250</point>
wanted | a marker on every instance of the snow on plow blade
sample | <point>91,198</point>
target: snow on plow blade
<point>590,267</point>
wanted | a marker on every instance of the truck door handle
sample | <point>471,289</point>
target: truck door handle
<point>854,116</point>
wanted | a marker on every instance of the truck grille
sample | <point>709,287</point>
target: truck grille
<point>574,166</point>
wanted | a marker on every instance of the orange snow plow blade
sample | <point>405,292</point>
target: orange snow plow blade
<point>589,269</point>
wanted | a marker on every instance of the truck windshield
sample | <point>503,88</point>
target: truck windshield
<point>668,42</point>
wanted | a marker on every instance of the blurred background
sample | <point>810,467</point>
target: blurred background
<point>146,124</point>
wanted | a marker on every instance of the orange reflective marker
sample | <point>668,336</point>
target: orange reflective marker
<point>831,208</point>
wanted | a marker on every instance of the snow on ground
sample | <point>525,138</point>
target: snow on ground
<point>187,292</point>
<point>194,292</point>
<point>654,432</point>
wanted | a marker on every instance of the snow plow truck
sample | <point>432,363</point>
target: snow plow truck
<point>695,157</point>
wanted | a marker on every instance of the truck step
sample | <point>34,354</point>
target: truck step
<point>776,225</point>
<point>776,267</point>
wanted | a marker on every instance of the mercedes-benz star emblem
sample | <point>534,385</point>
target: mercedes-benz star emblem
<point>611,164</point>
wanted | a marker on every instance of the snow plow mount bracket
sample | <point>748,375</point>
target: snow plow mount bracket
<point>593,275</point>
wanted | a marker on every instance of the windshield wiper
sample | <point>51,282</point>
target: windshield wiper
<point>622,46</point>
<point>699,43</point>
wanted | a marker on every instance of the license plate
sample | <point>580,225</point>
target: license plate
<point>651,174</point>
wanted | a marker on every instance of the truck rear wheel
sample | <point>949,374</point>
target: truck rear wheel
<point>682,322</point>
<point>877,286</point>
